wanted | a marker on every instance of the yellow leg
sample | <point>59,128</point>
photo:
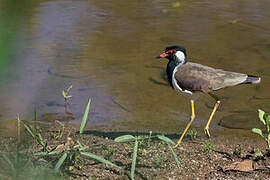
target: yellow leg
<point>189,123</point>
<point>206,129</point>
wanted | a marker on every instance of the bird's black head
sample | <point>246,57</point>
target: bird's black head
<point>175,53</point>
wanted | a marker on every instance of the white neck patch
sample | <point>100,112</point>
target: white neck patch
<point>175,83</point>
<point>180,56</point>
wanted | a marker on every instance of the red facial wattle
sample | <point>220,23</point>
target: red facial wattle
<point>166,54</point>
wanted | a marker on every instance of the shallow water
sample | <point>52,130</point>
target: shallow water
<point>107,49</point>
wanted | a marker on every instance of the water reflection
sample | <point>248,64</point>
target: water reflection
<point>106,49</point>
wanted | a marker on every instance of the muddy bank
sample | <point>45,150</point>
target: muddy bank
<point>200,157</point>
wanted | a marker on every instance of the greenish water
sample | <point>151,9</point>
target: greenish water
<point>107,50</point>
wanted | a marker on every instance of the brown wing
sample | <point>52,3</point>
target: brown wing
<point>196,77</point>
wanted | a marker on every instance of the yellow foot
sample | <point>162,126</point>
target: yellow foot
<point>206,131</point>
<point>177,144</point>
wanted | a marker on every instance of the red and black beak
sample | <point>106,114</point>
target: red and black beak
<point>163,55</point>
<point>166,54</point>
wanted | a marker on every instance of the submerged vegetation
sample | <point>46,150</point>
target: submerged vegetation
<point>66,94</point>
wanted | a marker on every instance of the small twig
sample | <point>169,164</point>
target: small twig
<point>227,155</point>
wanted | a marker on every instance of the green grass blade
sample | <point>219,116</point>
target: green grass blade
<point>80,144</point>
<point>64,94</point>
<point>40,154</point>
<point>257,131</point>
<point>18,127</point>
<point>261,116</point>
<point>85,116</point>
<point>35,120</point>
<point>9,162</point>
<point>53,152</point>
<point>60,162</point>
<point>134,157</point>
<point>41,141</point>
<point>69,88</point>
<point>175,156</point>
<point>166,139</point>
<point>29,130</point>
<point>268,141</point>
<point>124,138</point>
<point>97,158</point>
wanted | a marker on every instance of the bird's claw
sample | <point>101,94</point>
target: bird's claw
<point>176,145</point>
<point>206,131</point>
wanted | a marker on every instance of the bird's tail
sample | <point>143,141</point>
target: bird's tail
<point>252,80</point>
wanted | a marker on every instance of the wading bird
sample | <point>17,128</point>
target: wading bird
<point>193,79</point>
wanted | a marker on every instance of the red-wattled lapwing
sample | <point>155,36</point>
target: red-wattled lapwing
<point>192,78</point>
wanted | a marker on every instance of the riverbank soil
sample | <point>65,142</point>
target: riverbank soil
<point>227,156</point>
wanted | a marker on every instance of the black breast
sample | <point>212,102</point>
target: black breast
<point>170,67</point>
